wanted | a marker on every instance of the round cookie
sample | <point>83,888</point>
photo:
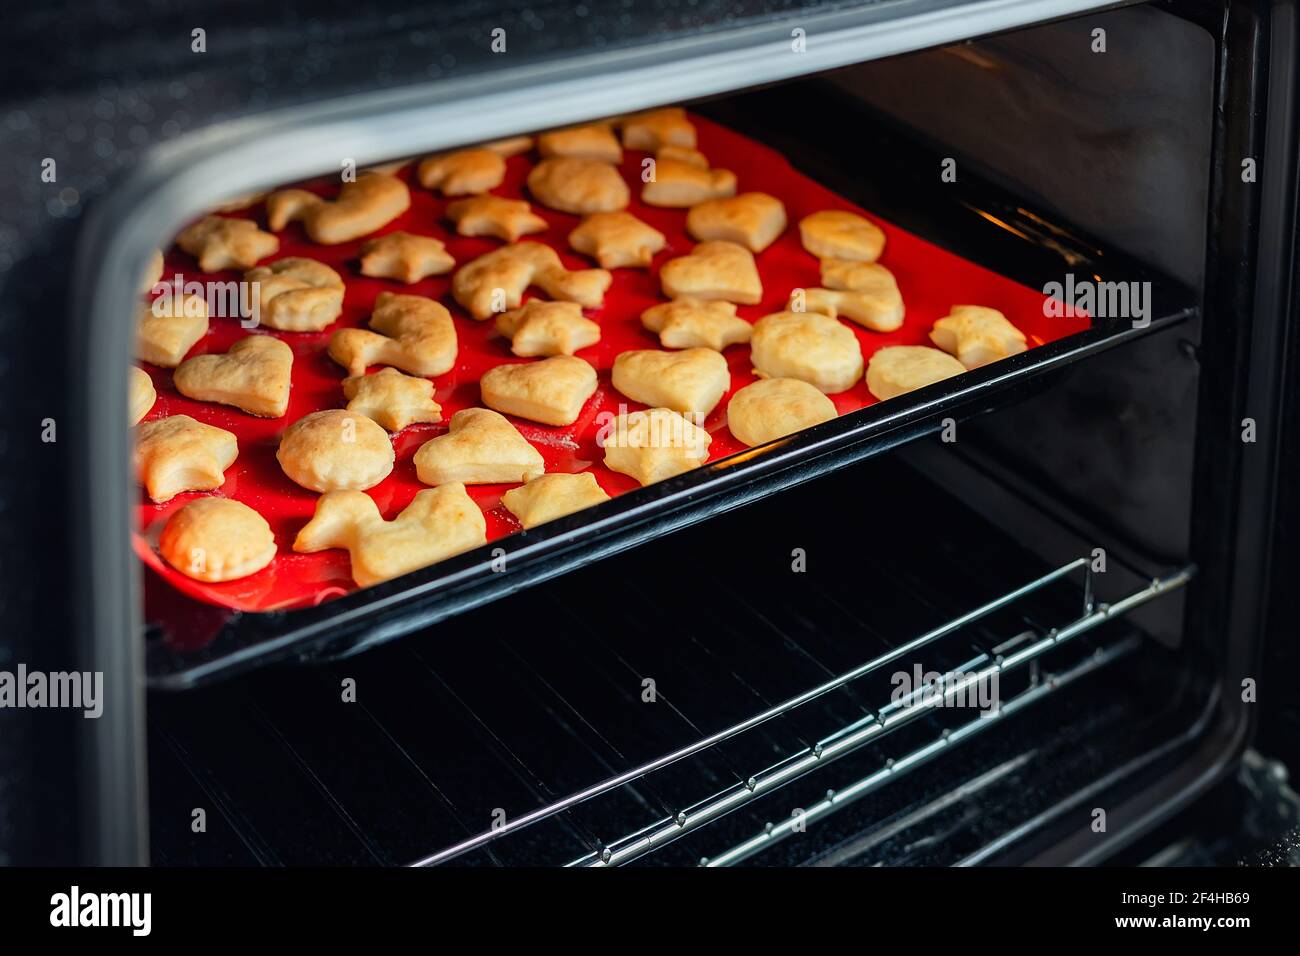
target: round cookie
<point>903,368</point>
<point>809,346</point>
<point>772,408</point>
<point>579,186</point>
<point>335,450</point>
<point>216,539</point>
<point>839,234</point>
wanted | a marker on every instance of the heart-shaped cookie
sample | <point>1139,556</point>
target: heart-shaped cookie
<point>480,448</point>
<point>713,270</point>
<point>253,375</point>
<point>551,391</point>
<point>692,381</point>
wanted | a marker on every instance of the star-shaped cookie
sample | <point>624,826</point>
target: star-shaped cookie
<point>405,257</point>
<point>219,242</point>
<point>688,323</point>
<point>617,240</point>
<point>541,328</point>
<point>392,399</point>
<point>177,453</point>
<point>506,219</point>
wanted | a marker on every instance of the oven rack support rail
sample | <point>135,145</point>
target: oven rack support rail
<point>841,742</point>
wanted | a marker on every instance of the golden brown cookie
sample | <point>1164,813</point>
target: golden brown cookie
<point>506,219</point>
<point>392,399</point>
<point>870,296</point>
<point>369,203</point>
<point>655,444</point>
<point>753,220</point>
<point>335,449</point>
<point>462,173</point>
<point>903,368</point>
<point>296,294</point>
<point>653,130</point>
<point>481,447</point>
<point>168,328</point>
<point>495,282</point>
<point>809,346</point>
<point>547,328</point>
<point>682,154</point>
<point>688,323</point>
<point>595,142</point>
<point>772,408</point>
<point>578,186</point>
<point>409,332</point>
<point>692,381</point>
<point>216,539</point>
<point>617,240</point>
<point>713,270</point>
<point>438,523</point>
<point>222,243</point>
<point>677,185</point>
<point>153,272</point>
<point>176,454</point>
<point>254,375</point>
<point>837,234</point>
<point>553,496</point>
<point>405,257</point>
<point>140,394</point>
<point>977,335</point>
<point>551,391</point>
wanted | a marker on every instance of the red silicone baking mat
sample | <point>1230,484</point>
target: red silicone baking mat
<point>931,280</point>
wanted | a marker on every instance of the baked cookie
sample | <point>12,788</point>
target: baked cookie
<point>655,129</point>
<point>579,186</point>
<point>872,300</point>
<point>595,142</point>
<point>977,335</point>
<point>438,523</point>
<point>495,281</point>
<point>903,368</point>
<point>677,185</point>
<point>510,146</point>
<point>176,454</point>
<point>168,328</point>
<point>552,496</point>
<point>682,154</point>
<point>655,444</point>
<point>809,346</point>
<point>689,323</point>
<point>152,272</point>
<point>370,202</point>
<point>753,220</point>
<point>217,539</point>
<point>617,240</point>
<point>480,448</point>
<point>335,449</point>
<point>551,391</point>
<point>409,332</point>
<point>141,394</point>
<point>463,172</point>
<point>547,328</point>
<point>836,234</point>
<point>254,376</point>
<point>297,295</point>
<point>713,270</point>
<point>692,381</point>
<point>405,257</point>
<point>222,243</point>
<point>392,399</point>
<point>506,219</point>
<point>772,408</point>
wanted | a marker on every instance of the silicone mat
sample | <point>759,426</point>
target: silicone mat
<point>930,278</point>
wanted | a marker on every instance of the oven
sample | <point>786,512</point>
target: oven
<point>1036,612</point>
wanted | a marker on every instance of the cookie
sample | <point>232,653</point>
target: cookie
<point>578,186</point>
<point>405,257</point>
<point>655,444</point>
<point>168,328</point>
<point>463,172</point>
<point>713,270</point>
<point>617,240</point>
<point>495,282</point>
<point>480,448</point>
<point>216,539</point>
<point>152,272</point>
<point>977,335</point>
<point>547,328</point>
<point>438,523</point>
<point>692,381</point>
<point>551,391</point>
<point>391,399</point>
<point>809,346</point>
<point>176,454</point>
<point>753,220</point>
<point>772,408</point>
<point>653,130</point>
<point>335,449</point>
<point>689,323</point>
<point>297,294</point>
<point>220,243</point>
<point>595,142</point>
<point>506,219</point>
<point>836,234</point>
<point>870,296</point>
<point>369,203</point>
<point>254,376</point>
<point>677,185</point>
<point>552,496</point>
<point>409,332</point>
<point>903,368</point>
<point>682,154</point>
<point>141,394</point>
